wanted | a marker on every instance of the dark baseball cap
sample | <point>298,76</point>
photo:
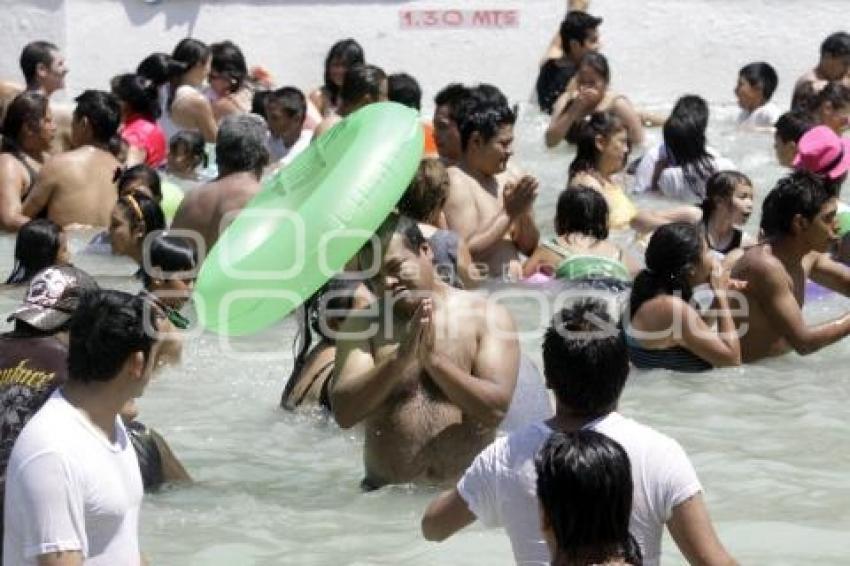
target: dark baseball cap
<point>53,296</point>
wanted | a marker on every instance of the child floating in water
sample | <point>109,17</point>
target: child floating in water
<point>756,84</point>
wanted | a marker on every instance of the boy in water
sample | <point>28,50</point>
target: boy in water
<point>756,84</point>
<point>790,127</point>
<point>834,65</point>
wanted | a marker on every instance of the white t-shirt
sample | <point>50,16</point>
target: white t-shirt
<point>762,117</point>
<point>672,181</point>
<point>281,155</point>
<point>500,485</point>
<point>68,488</point>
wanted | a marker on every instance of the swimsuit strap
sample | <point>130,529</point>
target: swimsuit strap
<point>325,393</point>
<point>30,171</point>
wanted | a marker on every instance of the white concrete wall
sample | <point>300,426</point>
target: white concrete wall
<point>659,49</point>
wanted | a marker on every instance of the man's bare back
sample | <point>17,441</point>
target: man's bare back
<point>204,208</point>
<point>76,187</point>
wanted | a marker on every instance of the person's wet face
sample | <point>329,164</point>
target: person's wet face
<point>46,130</point>
<point>591,42</point>
<point>589,78</point>
<point>494,153</point>
<point>181,162</point>
<point>219,83</point>
<point>749,95</point>
<point>446,135</point>
<point>122,238</point>
<point>53,78</point>
<point>821,233</point>
<point>336,71</point>
<point>741,204</point>
<point>836,118</point>
<point>404,275</point>
<point>785,150</point>
<point>613,151</point>
<point>283,124</point>
<point>173,291</point>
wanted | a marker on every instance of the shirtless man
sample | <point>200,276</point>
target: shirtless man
<point>492,213</point>
<point>446,134</point>
<point>78,187</point>
<point>241,155</point>
<point>834,65</point>
<point>432,372</point>
<point>799,225</point>
<point>363,85</point>
<point>27,133</point>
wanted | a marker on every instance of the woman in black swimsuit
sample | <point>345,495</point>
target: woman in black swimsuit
<point>28,131</point>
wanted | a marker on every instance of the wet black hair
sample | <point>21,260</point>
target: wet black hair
<point>26,109</point>
<point>762,76</point>
<point>228,61</point>
<point>585,359</point>
<point>452,96</point>
<point>836,45</point>
<point>582,210</point>
<point>684,138</point>
<point>585,489</point>
<point>106,329</point>
<point>672,251</point>
<point>192,142</point>
<point>187,53</point>
<point>144,173</point>
<point>36,246</point>
<point>169,254</point>
<point>484,110</point>
<point>576,26</point>
<point>139,93</point>
<point>800,193</point>
<point>336,295</point>
<point>395,223</point>
<point>152,219</point>
<point>805,98</point>
<point>289,98</point>
<point>404,89</point>
<point>351,53</point>
<point>791,126</point>
<point>427,191</point>
<point>719,187</point>
<point>836,93</point>
<point>258,102</point>
<point>103,112</point>
<point>361,80</point>
<point>604,124</point>
<point>160,68</point>
<point>33,54</point>
<point>598,62</point>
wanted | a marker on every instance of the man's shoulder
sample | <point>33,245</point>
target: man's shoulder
<point>514,450</point>
<point>635,437</point>
<point>47,431</point>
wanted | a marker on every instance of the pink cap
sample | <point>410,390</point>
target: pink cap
<point>822,151</point>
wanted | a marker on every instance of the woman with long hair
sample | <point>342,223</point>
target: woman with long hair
<point>40,243</point>
<point>140,109</point>
<point>342,56</point>
<point>229,91</point>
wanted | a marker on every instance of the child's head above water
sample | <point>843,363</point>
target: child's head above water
<point>756,85</point>
<point>835,56</point>
<point>186,153</point>
<point>790,127</point>
<point>832,107</point>
<point>728,193</point>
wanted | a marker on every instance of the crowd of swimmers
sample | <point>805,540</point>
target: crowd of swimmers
<point>415,353</point>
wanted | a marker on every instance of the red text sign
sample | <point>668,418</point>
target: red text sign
<point>447,19</point>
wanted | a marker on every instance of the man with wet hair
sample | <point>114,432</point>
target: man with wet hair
<point>586,365</point>
<point>404,89</point>
<point>799,227</point>
<point>241,155</point>
<point>446,117</point>
<point>834,65</point>
<point>429,369</point>
<point>363,85</point>
<point>789,128</point>
<point>78,186</point>
<point>491,213</point>
<point>285,112</point>
<point>73,487</point>
<point>579,34</point>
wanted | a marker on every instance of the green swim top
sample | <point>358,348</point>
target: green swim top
<point>585,266</point>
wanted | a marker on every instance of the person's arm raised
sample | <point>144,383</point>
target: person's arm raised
<point>568,109</point>
<point>785,314</point>
<point>691,529</point>
<point>358,385</point>
<point>446,514</point>
<point>486,391</point>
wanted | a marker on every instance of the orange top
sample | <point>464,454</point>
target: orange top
<point>430,145</point>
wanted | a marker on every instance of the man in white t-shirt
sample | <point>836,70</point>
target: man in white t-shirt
<point>286,110</point>
<point>73,487</point>
<point>586,365</point>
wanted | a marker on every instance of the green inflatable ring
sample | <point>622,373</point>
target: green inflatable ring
<point>843,222</point>
<point>172,196</point>
<point>308,220</point>
<point>591,267</point>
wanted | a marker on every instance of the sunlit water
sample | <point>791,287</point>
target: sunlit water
<point>769,442</point>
